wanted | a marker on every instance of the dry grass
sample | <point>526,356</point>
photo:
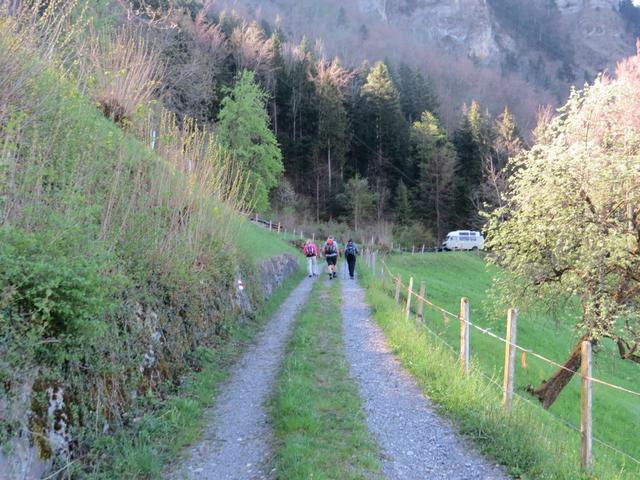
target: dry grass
<point>123,72</point>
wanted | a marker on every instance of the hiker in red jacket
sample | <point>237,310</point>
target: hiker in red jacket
<point>311,252</point>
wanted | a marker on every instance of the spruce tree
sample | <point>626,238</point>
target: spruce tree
<point>385,133</point>
<point>473,141</point>
<point>436,160</point>
<point>404,213</point>
<point>243,131</point>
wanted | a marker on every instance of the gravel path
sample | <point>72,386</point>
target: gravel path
<point>236,443</point>
<point>416,443</point>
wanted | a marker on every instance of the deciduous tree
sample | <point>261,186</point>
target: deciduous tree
<point>570,226</point>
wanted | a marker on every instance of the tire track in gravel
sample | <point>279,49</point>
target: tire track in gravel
<point>236,445</point>
<point>416,442</point>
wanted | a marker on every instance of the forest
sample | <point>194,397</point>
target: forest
<point>362,145</point>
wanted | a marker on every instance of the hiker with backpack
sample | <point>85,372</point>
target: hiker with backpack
<point>311,252</point>
<point>330,250</point>
<point>350,253</point>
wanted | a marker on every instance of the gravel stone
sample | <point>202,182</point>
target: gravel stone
<point>416,442</point>
<point>235,445</point>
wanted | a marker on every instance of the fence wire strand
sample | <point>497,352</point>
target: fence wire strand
<point>486,331</point>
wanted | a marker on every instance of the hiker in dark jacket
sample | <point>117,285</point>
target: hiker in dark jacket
<point>350,253</point>
<point>331,251</point>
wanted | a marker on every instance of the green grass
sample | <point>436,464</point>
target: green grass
<point>160,436</point>
<point>318,418</point>
<point>451,276</point>
<point>259,243</point>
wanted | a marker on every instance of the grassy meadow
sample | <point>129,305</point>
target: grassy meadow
<point>449,277</point>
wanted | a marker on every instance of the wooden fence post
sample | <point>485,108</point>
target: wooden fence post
<point>423,290</point>
<point>373,262</point>
<point>422,248</point>
<point>397,289</point>
<point>314,237</point>
<point>270,225</point>
<point>407,307</point>
<point>413,249</point>
<point>586,457</point>
<point>464,335</point>
<point>509,359</point>
<point>382,276</point>
<point>278,227</point>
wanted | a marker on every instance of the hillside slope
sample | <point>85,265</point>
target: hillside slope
<point>118,267</point>
<point>498,52</point>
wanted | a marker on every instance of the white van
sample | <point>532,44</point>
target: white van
<point>463,240</point>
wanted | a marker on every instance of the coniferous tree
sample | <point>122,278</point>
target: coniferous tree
<point>473,142</point>
<point>416,93</point>
<point>404,213</point>
<point>436,160</point>
<point>385,133</point>
<point>333,125</point>
<point>243,130</point>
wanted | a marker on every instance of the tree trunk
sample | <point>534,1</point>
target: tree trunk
<point>317,198</point>
<point>549,390</point>
<point>438,232</point>
<point>274,109</point>
<point>329,163</point>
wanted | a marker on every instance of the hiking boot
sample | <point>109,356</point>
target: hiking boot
<point>335,274</point>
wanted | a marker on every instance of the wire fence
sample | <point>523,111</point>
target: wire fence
<point>386,272</point>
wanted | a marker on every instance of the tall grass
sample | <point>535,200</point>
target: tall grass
<point>123,71</point>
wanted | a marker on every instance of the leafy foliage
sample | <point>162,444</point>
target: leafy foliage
<point>571,225</point>
<point>243,129</point>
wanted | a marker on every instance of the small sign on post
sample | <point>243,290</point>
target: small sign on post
<point>509,359</point>
<point>464,335</point>
<point>398,289</point>
<point>407,307</point>
<point>423,291</point>
<point>586,432</point>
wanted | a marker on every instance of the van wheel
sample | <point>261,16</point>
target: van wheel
<point>474,248</point>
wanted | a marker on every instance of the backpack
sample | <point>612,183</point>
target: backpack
<point>309,251</point>
<point>329,249</point>
<point>350,249</point>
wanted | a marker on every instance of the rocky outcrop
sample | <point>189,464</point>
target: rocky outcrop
<point>468,27</point>
<point>461,26</point>
<point>275,270</point>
